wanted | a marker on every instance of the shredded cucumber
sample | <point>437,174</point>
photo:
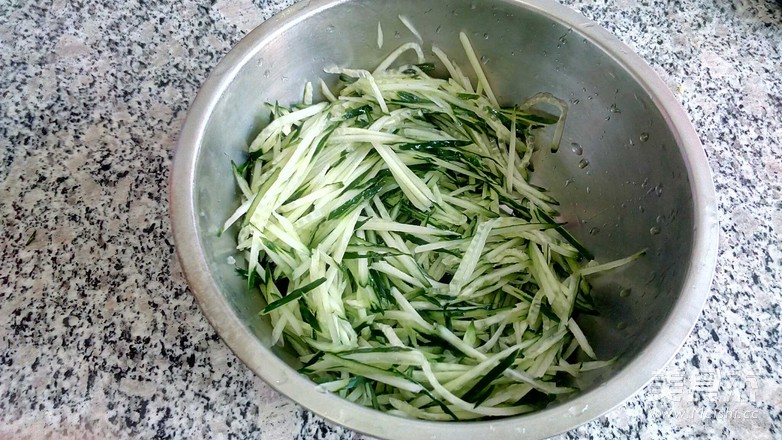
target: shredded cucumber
<point>401,250</point>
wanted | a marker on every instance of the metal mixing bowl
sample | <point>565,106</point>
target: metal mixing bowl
<point>647,184</point>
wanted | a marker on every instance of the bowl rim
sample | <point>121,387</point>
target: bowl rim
<point>551,421</point>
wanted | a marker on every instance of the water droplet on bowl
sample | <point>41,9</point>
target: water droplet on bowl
<point>575,147</point>
<point>644,137</point>
<point>484,59</point>
<point>283,378</point>
<point>624,293</point>
<point>658,190</point>
<point>594,231</point>
<point>654,230</point>
<point>330,28</point>
<point>485,36</point>
<point>583,163</point>
<point>266,73</point>
<point>614,109</point>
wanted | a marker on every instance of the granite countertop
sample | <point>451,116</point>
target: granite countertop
<point>99,335</point>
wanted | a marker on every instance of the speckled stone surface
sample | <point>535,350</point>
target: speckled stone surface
<point>99,335</point>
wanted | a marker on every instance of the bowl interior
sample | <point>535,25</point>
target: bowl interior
<point>620,175</point>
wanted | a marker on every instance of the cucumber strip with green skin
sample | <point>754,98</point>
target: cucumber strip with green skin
<point>293,296</point>
<point>474,393</point>
<point>435,145</point>
<point>329,131</point>
<point>589,270</point>
<point>568,237</point>
<point>358,111</point>
<point>380,287</point>
<point>259,196</point>
<point>408,98</point>
<point>369,255</point>
<point>582,340</point>
<point>390,376</point>
<point>419,231</point>
<point>425,67</point>
<point>308,317</point>
<point>278,122</point>
<point>347,79</point>
<point>444,149</point>
<point>418,193</point>
<point>471,256</point>
<point>363,197</point>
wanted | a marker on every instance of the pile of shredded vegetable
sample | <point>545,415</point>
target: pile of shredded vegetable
<point>402,252</point>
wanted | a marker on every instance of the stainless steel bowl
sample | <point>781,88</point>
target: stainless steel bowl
<point>647,184</point>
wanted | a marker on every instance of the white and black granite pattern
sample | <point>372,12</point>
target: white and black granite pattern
<point>99,336</point>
